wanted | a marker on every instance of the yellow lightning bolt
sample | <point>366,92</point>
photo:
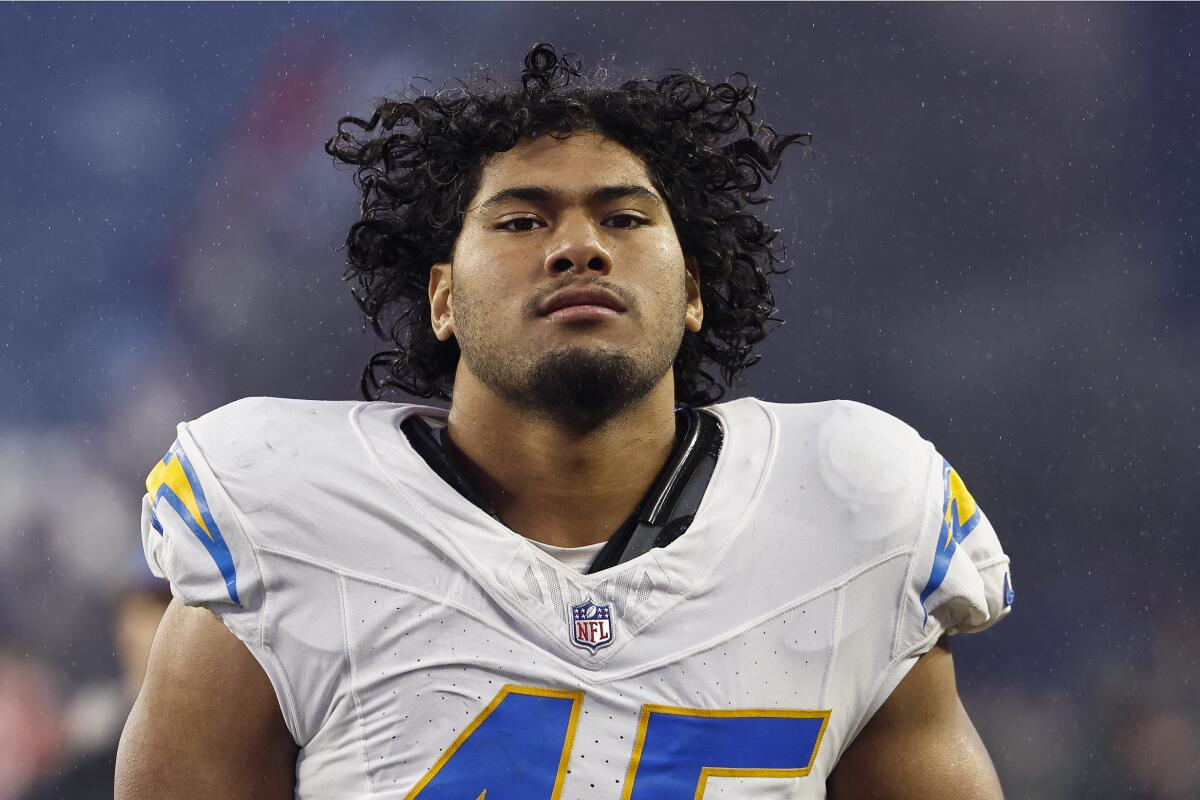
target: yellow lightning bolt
<point>966,505</point>
<point>169,472</point>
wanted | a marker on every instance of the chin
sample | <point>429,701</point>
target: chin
<point>587,383</point>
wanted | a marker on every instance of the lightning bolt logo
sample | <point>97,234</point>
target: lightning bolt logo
<point>174,481</point>
<point>960,515</point>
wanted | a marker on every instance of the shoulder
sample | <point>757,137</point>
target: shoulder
<point>258,435</point>
<point>268,422</point>
<point>847,421</point>
<point>859,456</point>
<point>844,486</point>
<point>250,460</point>
<point>886,485</point>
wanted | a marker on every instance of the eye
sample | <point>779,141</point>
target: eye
<point>628,221</point>
<point>518,224</point>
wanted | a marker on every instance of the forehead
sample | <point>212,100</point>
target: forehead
<point>572,164</point>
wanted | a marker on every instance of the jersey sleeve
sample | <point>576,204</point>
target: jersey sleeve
<point>192,537</point>
<point>959,579</point>
<point>195,539</point>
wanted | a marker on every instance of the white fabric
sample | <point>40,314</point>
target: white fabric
<point>577,558</point>
<point>388,612</point>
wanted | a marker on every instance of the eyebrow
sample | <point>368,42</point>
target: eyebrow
<point>543,195</point>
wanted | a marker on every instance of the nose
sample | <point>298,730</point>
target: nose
<point>578,249</point>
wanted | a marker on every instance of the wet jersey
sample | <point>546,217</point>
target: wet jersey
<point>420,649</point>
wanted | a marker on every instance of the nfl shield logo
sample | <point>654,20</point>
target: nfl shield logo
<point>591,625</point>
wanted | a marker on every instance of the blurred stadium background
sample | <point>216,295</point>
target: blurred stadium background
<point>995,239</point>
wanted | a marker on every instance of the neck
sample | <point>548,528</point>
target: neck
<point>556,481</point>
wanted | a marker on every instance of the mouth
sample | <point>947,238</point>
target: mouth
<point>582,303</point>
<point>582,313</point>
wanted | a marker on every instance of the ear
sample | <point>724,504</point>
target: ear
<point>441,307</point>
<point>694,316</point>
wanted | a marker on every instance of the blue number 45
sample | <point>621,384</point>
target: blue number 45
<point>518,748</point>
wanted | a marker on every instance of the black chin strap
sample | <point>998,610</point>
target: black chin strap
<point>664,513</point>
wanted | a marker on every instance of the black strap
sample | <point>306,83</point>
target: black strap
<point>664,513</point>
<point>430,449</point>
<point>670,506</point>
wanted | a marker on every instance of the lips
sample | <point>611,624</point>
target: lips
<point>581,296</point>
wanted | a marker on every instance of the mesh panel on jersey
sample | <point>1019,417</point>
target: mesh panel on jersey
<point>531,583</point>
<point>645,589</point>
<point>551,582</point>
<point>545,585</point>
<point>621,587</point>
<point>574,593</point>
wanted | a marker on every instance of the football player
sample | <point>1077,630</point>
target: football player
<point>585,579</point>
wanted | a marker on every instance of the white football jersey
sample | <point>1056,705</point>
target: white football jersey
<point>420,649</point>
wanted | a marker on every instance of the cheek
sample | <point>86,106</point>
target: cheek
<point>670,274</point>
<point>484,301</point>
<point>486,261</point>
<point>482,279</point>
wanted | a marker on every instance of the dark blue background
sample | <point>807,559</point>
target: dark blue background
<point>994,239</point>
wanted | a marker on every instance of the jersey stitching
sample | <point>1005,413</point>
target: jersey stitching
<point>747,510</point>
<point>292,712</point>
<point>839,603</point>
<point>839,583</point>
<point>914,556</point>
<point>808,598</point>
<point>992,562</point>
<point>358,713</point>
<point>345,574</point>
<point>924,644</point>
<point>853,732</point>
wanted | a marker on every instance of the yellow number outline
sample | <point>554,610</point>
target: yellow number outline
<point>576,698</point>
<point>723,772</point>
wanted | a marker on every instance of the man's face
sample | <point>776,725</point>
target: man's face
<point>553,217</point>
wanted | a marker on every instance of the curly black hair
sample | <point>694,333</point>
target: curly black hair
<point>419,159</point>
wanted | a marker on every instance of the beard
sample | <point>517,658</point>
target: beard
<point>579,386</point>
